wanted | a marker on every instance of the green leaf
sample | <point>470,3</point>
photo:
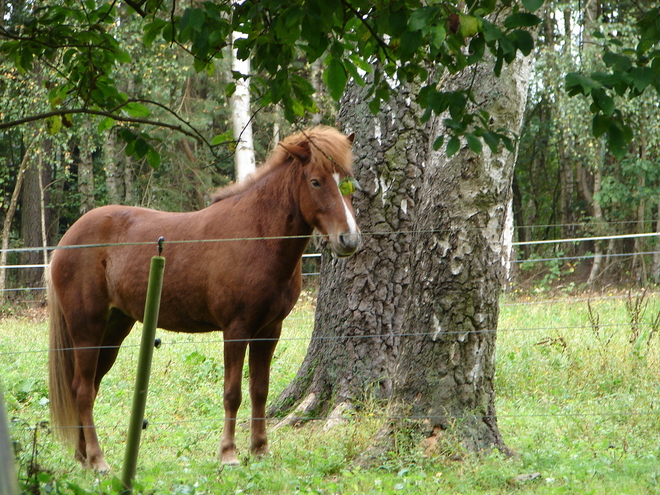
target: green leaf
<point>153,158</point>
<point>105,124</point>
<point>420,18</point>
<point>230,89</point>
<point>532,5</point>
<point>619,137</point>
<point>521,19</point>
<point>477,49</point>
<point>348,185</point>
<point>453,146</point>
<point>410,42</point>
<point>524,41</point>
<point>578,84</point>
<point>438,36</point>
<point>141,147</point>
<point>439,141</point>
<point>335,77</point>
<point>618,63</point>
<point>600,125</point>
<point>642,77</point>
<point>604,101</point>
<point>491,31</point>
<point>136,110</point>
<point>374,105</point>
<point>491,140</point>
<point>193,18</point>
<point>54,124</point>
<point>469,25</point>
<point>152,30</point>
<point>474,143</point>
<point>355,74</point>
<point>222,138</point>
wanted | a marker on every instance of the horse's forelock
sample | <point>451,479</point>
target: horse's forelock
<point>326,145</point>
<point>330,146</point>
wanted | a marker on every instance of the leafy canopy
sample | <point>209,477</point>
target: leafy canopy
<point>390,40</point>
<point>630,72</point>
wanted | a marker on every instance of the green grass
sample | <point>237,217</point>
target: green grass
<point>576,402</point>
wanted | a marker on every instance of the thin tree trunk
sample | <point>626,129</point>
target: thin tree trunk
<point>656,253</point>
<point>244,160</point>
<point>42,210</point>
<point>85,179</point>
<point>31,213</point>
<point>9,217</point>
<point>600,228</point>
<point>112,170</point>
<point>129,194</point>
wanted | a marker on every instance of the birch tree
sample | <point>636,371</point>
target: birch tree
<point>244,160</point>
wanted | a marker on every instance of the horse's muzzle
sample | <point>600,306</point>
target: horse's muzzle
<point>347,243</point>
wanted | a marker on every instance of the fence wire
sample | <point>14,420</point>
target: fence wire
<point>615,326</point>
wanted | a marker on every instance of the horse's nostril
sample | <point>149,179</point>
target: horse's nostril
<point>349,241</point>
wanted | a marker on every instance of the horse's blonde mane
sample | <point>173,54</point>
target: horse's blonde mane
<point>325,144</point>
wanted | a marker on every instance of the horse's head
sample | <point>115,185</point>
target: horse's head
<point>327,184</point>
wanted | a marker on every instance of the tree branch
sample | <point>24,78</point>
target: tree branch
<point>373,32</point>
<point>120,118</point>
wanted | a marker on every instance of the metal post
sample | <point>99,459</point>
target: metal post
<point>144,369</point>
<point>8,481</point>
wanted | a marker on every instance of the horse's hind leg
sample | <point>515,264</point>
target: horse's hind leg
<point>94,358</point>
<point>261,355</point>
<point>117,329</point>
<point>87,351</point>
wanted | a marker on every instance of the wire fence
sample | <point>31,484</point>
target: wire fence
<point>613,326</point>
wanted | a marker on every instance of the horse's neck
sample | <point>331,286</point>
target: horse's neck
<point>270,208</point>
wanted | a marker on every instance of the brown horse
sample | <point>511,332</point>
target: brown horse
<point>243,287</point>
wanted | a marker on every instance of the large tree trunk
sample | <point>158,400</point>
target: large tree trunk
<point>413,315</point>
<point>446,367</point>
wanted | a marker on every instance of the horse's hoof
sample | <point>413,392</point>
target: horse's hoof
<point>101,467</point>
<point>230,461</point>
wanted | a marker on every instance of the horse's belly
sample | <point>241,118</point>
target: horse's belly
<point>192,327</point>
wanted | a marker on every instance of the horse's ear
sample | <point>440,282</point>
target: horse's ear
<point>351,137</point>
<point>300,153</point>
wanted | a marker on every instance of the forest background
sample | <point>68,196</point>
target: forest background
<point>567,184</point>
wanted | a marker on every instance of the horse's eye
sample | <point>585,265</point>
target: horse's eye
<point>315,183</point>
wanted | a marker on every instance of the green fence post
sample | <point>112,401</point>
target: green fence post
<point>144,369</point>
<point>8,481</point>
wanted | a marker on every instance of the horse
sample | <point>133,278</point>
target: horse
<point>243,279</point>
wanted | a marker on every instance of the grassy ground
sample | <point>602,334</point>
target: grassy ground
<point>578,403</point>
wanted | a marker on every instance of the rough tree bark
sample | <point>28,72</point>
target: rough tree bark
<point>413,316</point>
<point>446,365</point>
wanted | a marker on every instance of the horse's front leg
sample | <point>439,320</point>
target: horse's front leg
<point>261,355</point>
<point>234,351</point>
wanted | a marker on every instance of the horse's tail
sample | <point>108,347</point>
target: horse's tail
<point>63,409</point>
